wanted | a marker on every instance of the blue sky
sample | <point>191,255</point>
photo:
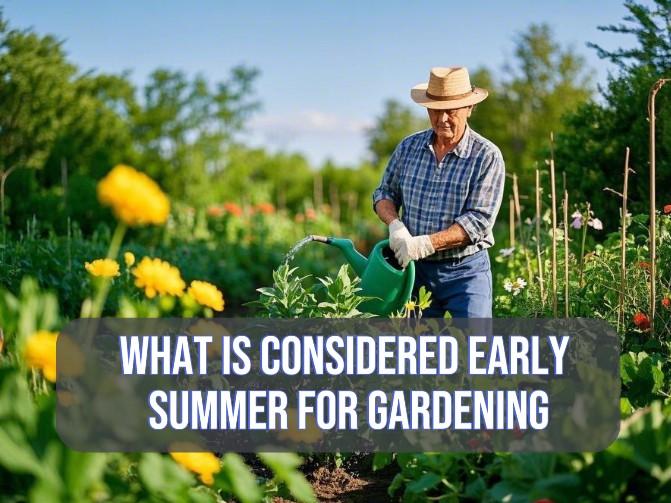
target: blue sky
<point>327,67</point>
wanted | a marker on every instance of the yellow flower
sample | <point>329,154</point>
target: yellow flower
<point>129,259</point>
<point>134,198</point>
<point>40,353</point>
<point>206,294</point>
<point>309,435</point>
<point>157,276</point>
<point>204,464</point>
<point>103,267</point>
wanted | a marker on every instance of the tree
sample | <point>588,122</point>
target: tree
<point>543,82</point>
<point>593,153</point>
<point>184,126</point>
<point>35,90</point>
<point>396,122</point>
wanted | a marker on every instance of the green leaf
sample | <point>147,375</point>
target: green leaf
<point>284,466</point>
<point>239,479</point>
<point>83,470</point>
<point>396,484</point>
<point>300,487</point>
<point>424,483</point>
<point>509,492</point>
<point>16,454</point>
<point>281,462</point>
<point>382,459</point>
<point>163,476</point>
<point>625,408</point>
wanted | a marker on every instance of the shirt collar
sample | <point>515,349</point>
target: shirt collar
<point>463,148</point>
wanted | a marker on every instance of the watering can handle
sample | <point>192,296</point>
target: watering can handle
<point>410,281</point>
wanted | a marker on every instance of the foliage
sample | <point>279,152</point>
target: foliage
<point>396,122</point>
<point>637,465</point>
<point>185,122</point>
<point>34,95</point>
<point>597,134</point>
<point>289,298</point>
<point>540,84</point>
<point>34,462</point>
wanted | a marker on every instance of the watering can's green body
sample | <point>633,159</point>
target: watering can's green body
<point>381,276</point>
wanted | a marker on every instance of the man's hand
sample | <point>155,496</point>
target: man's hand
<point>414,248</point>
<point>397,234</point>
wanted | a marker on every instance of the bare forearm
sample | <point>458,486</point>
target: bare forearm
<point>453,237</point>
<point>386,210</point>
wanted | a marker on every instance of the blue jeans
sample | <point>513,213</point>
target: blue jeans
<point>463,287</point>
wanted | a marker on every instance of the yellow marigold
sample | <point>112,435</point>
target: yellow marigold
<point>40,353</point>
<point>134,198</point>
<point>129,259</point>
<point>206,294</point>
<point>157,276</point>
<point>103,267</point>
<point>205,464</point>
<point>309,435</point>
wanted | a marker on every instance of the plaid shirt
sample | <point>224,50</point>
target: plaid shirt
<point>465,188</point>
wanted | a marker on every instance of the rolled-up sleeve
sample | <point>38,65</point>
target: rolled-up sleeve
<point>389,187</point>
<point>484,201</point>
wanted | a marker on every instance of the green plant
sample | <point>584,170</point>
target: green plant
<point>289,298</point>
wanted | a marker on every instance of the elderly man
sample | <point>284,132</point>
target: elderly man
<point>448,183</point>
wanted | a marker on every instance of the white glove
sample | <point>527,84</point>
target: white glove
<point>414,248</point>
<point>398,233</point>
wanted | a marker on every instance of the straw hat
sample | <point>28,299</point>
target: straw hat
<point>448,88</point>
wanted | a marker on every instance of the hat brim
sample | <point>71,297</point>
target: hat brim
<point>418,95</point>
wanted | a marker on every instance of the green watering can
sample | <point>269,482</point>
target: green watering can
<point>381,275</point>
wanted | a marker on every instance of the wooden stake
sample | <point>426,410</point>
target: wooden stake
<point>566,255</point>
<point>538,238</point>
<point>554,228</point>
<point>623,251</point>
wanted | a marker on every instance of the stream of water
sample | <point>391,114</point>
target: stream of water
<point>289,256</point>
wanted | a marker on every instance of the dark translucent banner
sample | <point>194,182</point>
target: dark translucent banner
<point>253,385</point>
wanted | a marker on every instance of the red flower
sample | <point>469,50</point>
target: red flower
<point>666,302</point>
<point>266,208</point>
<point>642,321</point>
<point>232,208</point>
<point>215,211</point>
<point>667,209</point>
<point>643,264</point>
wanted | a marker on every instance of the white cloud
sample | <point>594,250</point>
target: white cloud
<point>308,121</point>
<point>316,134</point>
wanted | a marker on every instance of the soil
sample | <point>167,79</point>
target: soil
<point>337,485</point>
<point>352,482</point>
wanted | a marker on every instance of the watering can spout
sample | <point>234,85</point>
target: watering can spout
<point>383,281</point>
<point>346,246</point>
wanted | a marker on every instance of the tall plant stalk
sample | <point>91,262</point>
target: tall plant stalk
<point>623,251</point>
<point>566,255</point>
<point>511,222</point>
<point>518,220</point>
<point>653,216</point>
<point>582,243</point>
<point>539,261</point>
<point>554,226</point>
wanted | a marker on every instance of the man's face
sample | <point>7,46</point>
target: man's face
<point>449,125</point>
